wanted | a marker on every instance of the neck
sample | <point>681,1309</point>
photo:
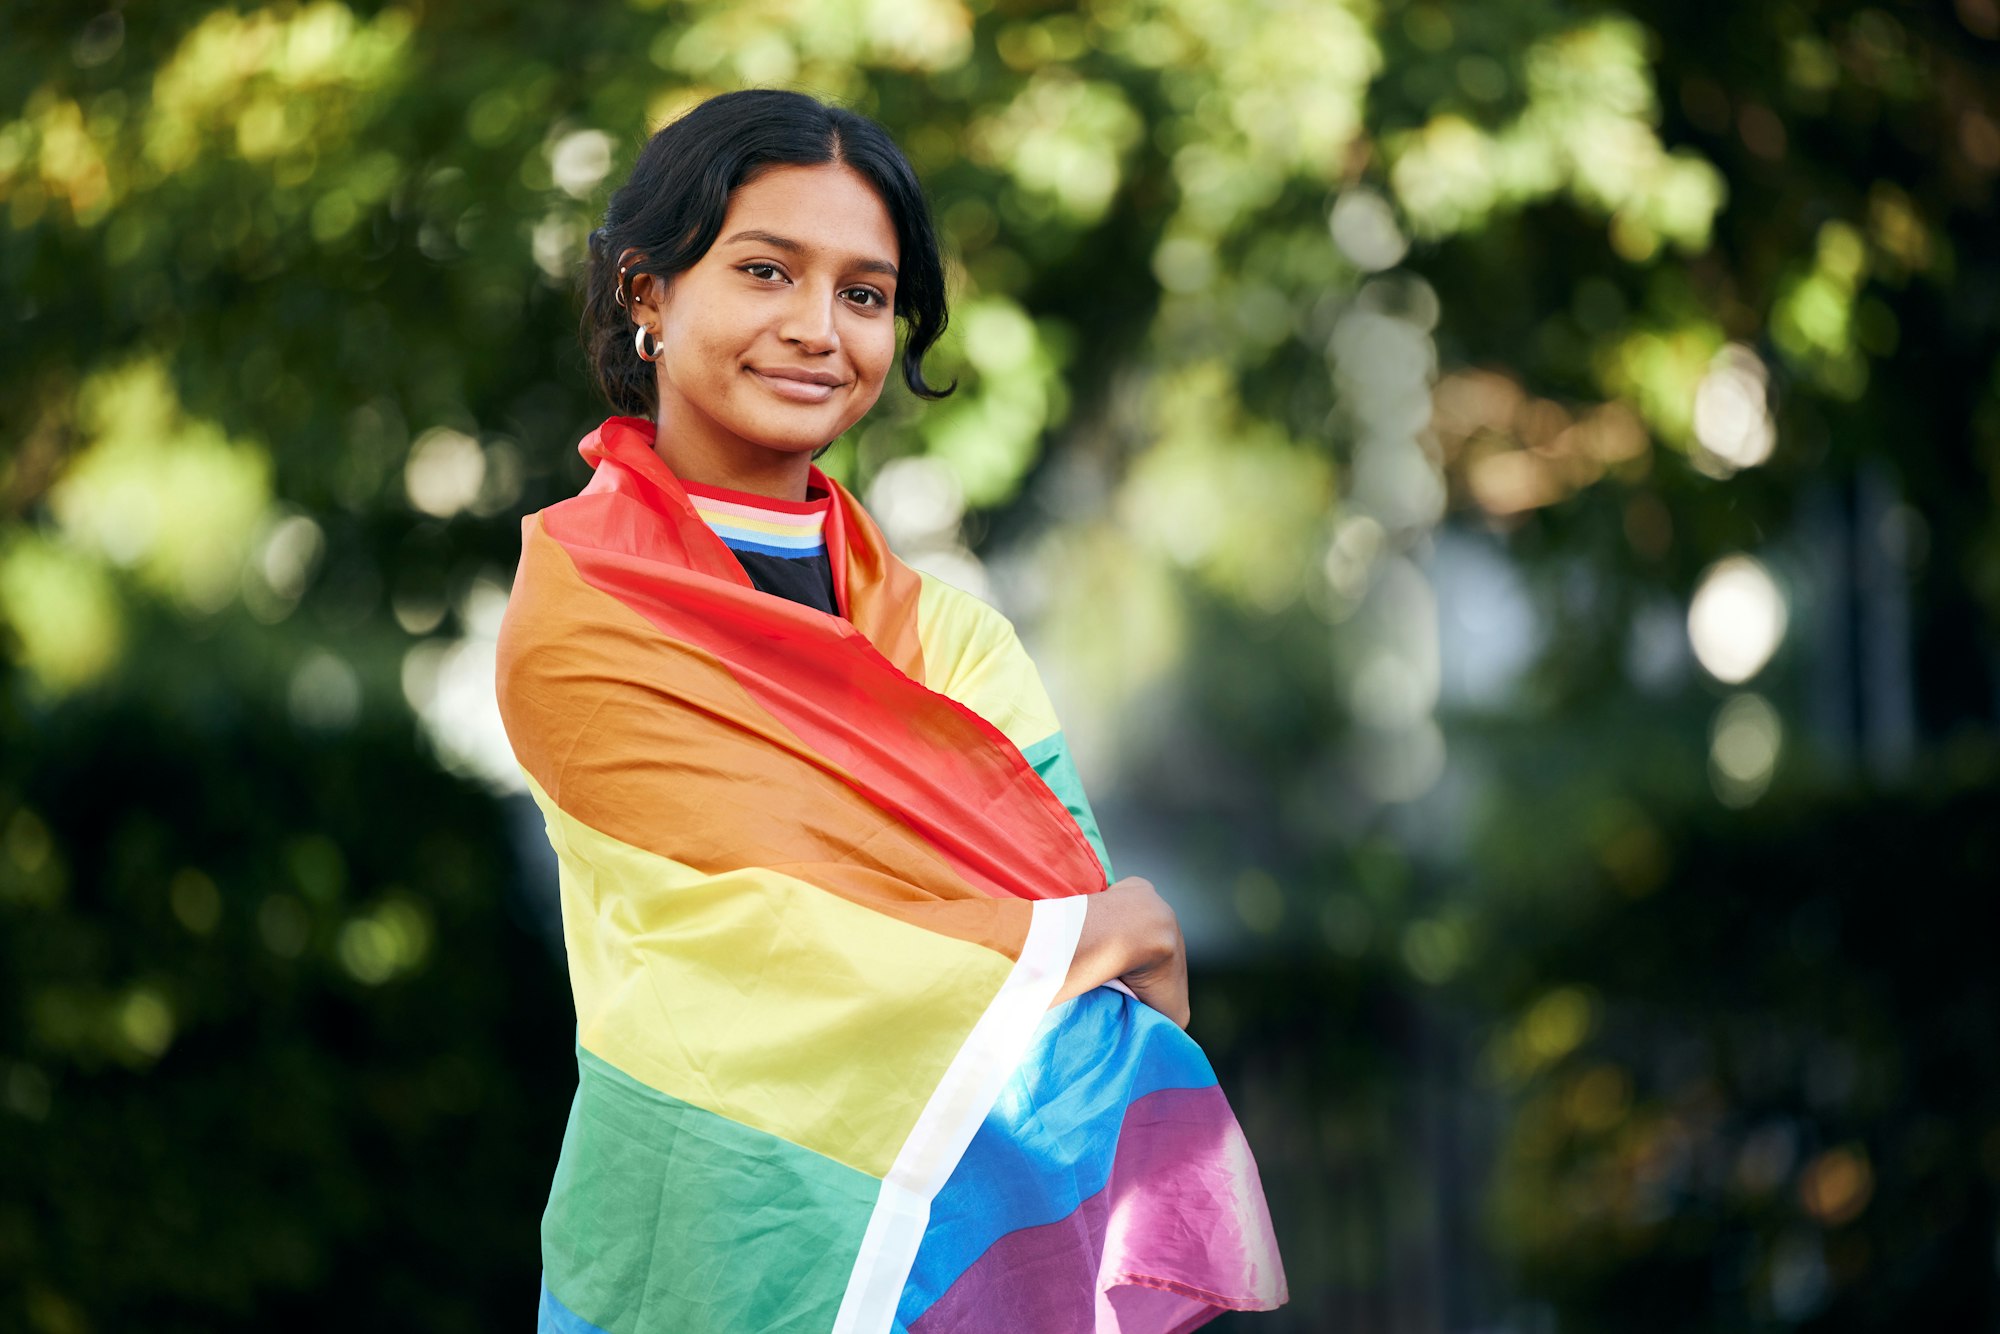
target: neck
<point>779,474</point>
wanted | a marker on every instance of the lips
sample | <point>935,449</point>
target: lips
<point>794,373</point>
<point>797,385</point>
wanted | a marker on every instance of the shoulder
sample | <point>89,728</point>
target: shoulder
<point>973,654</point>
<point>955,613</point>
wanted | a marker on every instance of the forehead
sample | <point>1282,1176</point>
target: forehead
<point>831,209</point>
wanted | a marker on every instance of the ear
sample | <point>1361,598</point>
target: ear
<point>649,293</point>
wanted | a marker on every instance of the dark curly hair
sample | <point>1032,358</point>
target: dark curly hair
<point>671,208</point>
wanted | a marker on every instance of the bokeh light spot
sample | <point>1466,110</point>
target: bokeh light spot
<point>196,902</point>
<point>1364,227</point>
<point>444,471</point>
<point>146,1022</point>
<point>1557,1024</point>
<point>1836,1186</point>
<point>1743,748</point>
<point>1737,619</point>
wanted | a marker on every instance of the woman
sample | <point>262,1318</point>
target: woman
<point>865,1040</point>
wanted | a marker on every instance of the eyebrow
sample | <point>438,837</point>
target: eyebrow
<point>800,248</point>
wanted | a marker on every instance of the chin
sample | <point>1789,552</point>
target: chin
<point>793,432</point>
<point>793,439</point>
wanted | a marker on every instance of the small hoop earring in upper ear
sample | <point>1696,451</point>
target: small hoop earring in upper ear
<point>639,341</point>
<point>618,292</point>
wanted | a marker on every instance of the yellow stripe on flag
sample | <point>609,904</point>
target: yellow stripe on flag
<point>731,991</point>
<point>990,672</point>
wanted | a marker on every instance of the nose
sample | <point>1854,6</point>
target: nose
<point>807,320</point>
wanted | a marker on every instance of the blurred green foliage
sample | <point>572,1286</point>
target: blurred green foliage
<point>1781,1103</point>
<point>276,1050</point>
<point>1302,344</point>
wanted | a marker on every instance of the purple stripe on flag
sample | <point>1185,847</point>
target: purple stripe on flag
<point>1182,1178</point>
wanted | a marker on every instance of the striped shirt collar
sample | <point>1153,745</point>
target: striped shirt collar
<point>744,520</point>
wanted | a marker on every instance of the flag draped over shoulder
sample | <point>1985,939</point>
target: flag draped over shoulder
<point>821,878</point>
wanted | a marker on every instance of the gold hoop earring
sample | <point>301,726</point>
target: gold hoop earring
<point>639,341</point>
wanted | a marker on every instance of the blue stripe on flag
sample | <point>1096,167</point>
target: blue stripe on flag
<point>555,1318</point>
<point>1047,1145</point>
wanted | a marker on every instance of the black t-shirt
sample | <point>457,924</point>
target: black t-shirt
<point>781,544</point>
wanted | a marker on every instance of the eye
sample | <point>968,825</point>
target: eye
<point>866,296</point>
<point>752,270</point>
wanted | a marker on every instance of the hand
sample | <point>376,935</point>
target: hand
<point>1131,935</point>
<point>1160,977</point>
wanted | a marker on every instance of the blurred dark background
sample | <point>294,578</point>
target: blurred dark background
<point>1504,496</point>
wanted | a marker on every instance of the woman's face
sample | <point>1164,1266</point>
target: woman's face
<point>780,337</point>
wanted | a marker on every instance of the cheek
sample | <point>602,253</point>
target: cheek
<point>702,358</point>
<point>875,354</point>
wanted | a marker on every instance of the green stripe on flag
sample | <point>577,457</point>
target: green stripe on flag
<point>1050,758</point>
<point>664,1215</point>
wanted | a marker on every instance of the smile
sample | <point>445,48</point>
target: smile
<point>799,391</point>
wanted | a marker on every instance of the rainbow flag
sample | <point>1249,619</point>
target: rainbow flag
<point>821,878</point>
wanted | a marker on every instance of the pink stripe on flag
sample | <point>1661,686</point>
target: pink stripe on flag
<point>1182,1179</point>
